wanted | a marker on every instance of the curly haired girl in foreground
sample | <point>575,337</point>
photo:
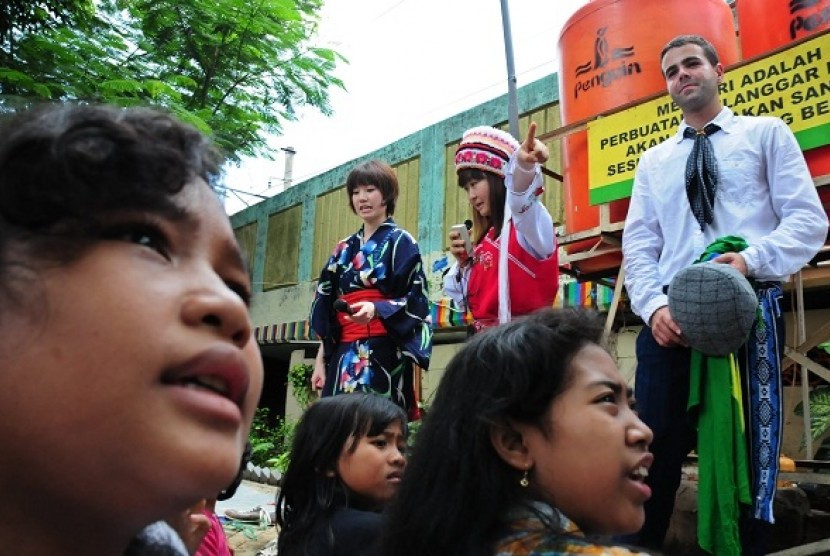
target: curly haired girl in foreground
<point>128,371</point>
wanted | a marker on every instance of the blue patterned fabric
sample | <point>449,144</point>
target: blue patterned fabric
<point>763,391</point>
<point>389,262</point>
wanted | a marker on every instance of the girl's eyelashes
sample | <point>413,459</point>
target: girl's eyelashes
<point>151,235</point>
<point>612,402</point>
<point>242,290</point>
<point>140,233</point>
<point>614,399</point>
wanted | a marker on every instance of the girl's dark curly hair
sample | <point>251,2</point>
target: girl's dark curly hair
<point>64,167</point>
<point>457,488</point>
<point>311,488</point>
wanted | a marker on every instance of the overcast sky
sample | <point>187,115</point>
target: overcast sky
<point>412,63</point>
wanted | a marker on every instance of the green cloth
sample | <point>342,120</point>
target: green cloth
<point>725,244</point>
<point>715,406</point>
<point>723,468</point>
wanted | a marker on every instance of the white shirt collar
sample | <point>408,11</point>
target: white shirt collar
<point>725,120</point>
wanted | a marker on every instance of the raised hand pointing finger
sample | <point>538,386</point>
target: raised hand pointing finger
<point>530,141</point>
<point>533,150</point>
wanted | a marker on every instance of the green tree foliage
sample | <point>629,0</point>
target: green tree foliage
<point>233,68</point>
<point>26,16</point>
<point>299,377</point>
<point>271,443</point>
<point>819,411</point>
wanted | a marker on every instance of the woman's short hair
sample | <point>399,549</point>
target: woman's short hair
<point>379,174</point>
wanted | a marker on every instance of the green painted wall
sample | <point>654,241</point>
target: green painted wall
<point>424,161</point>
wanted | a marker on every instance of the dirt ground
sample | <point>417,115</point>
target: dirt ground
<point>249,541</point>
<point>246,539</point>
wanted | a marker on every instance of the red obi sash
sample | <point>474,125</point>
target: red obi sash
<point>352,331</point>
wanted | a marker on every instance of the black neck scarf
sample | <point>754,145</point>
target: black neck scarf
<point>702,174</point>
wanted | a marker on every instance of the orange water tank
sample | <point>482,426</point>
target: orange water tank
<point>765,25</point>
<point>609,53</point>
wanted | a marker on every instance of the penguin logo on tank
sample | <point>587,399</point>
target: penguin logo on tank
<point>606,71</point>
<point>808,16</point>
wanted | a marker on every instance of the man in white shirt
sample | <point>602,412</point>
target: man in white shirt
<point>758,188</point>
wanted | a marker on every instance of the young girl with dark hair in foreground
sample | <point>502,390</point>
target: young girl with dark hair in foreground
<point>532,446</point>
<point>347,460</point>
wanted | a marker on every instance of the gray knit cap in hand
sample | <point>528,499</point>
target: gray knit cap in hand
<point>714,305</point>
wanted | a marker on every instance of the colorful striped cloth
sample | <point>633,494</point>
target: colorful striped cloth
<point>590,295</point>
<point>297,331</point>
<point>730,473</point>
<point>446,314</point>
<point>540,530</point>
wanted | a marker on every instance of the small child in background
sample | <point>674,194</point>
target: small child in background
<point>129,373</point>
<point>215,542</point>
<point>347,460</point>
<point>191,526</point>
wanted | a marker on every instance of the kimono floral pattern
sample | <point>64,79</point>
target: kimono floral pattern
<point>390,263</point>
<point>355,370</point>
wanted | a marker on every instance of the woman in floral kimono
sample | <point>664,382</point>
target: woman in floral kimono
<point>371,310</point>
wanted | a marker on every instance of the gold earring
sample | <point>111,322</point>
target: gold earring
<point>523,481</point>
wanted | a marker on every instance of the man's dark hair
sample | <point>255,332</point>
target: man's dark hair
<point>708,49</point>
